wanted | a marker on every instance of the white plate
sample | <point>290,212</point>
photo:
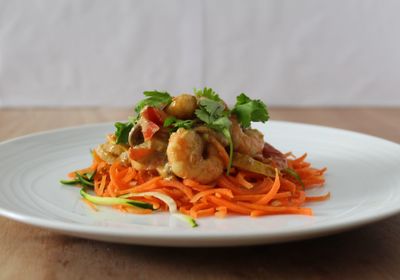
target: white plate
<point>363,177</point>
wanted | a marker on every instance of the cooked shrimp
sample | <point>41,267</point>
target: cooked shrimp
<point>186,157</point>
<point>246,141</point>
<point>182,106</point>
<point>206,131</point>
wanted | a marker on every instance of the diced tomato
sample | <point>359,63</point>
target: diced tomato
<point>149,128</point>
<point>154,115</point>
<point>137,153</point>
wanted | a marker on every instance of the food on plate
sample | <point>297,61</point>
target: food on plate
<point>194,156</point>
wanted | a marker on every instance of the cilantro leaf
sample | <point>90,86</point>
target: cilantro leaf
<point>207,93</point>
<point>221,123</point>
<point>122,132</point>
<point>209,111</point>
<point>177,123</point>
<point>216,117</point>
<point>248,110</point>
<point>203,115</point>
<point>154,99</point>
<point>169,121</point>
<point>187,124</point>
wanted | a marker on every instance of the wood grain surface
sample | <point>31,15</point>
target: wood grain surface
<point>370,252</point>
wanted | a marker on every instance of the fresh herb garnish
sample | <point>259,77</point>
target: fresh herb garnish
<point>216,116</point>
<point>207,93</point>
<point>122,132</point>
<point>154,98</point>
<point>248,110</point>
<point>175,123</point>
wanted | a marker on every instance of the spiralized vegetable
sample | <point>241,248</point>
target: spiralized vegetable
<point>241,192</point>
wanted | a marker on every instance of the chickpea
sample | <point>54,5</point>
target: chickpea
<point>182,106</point>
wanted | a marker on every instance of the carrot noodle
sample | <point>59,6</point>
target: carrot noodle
<point>282,210</point>
<point>176,184</point>
<point>221,211</point>
<point>134,210</point>
<point>234,207</point>
<point>318,198</point>
<point>199,195</point>
<point>242,181</point>
<point>205,212</point>
<point>240,193</point>
<point>196,208</point>
<point>274,190</point>
<point>195,185</point>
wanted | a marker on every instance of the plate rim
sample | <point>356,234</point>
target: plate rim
<point>230,238</point>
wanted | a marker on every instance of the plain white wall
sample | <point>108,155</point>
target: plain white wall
<point>70,52</point>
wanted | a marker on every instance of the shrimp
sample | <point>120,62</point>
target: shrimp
<point>185,154</point>
<point>246,141</point>
<point>182,106</point>
<point>206,131</point>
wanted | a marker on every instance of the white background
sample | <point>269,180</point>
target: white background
<point>67,52</point>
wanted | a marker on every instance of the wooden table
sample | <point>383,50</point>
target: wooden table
<point>371,252</point>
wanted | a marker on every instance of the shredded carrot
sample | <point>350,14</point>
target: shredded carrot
<point>205,212</point>
<point>115,175</point>
<point>300,159</point>
<point>196,208</point>
<point>136,210</point>
<point>242,192</point>
<point>256,197</point>
<point>288,185</point>
<point>144,187</point>
<point>282,210</point>
<point>234,207</point>
<point>242,181</point>
<point>274,190</point>
<point>196,186</point>
<point>230,183</point>
<point>199,195</point>
<point>318,198</point>
<point>299,198</point>
<point>221,211</point>
<point>176,184</point>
